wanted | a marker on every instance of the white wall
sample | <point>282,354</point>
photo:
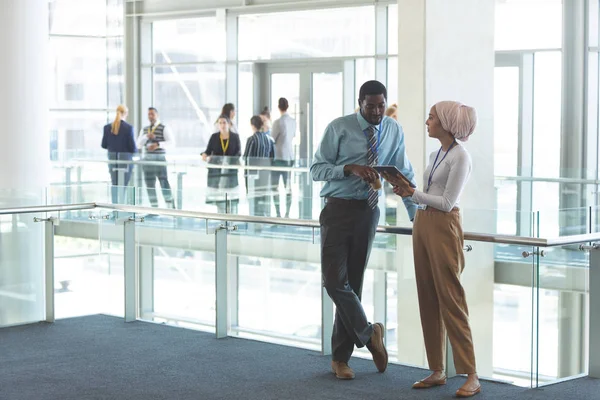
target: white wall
<point>446,52</point>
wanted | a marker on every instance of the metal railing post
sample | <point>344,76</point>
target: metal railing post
<point>594,309</point>
<point>131,273</point>
<point>221,287</point>
<point>48,267</point>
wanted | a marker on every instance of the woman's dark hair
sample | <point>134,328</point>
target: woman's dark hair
<point>227,109</point>
<point>266,112</point>
<point>257,122</point>
<point>226,118</point>
<point>283,104</point>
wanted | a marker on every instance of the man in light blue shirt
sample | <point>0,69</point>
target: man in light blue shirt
<point>350,147</point>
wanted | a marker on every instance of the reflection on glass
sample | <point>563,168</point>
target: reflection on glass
<point>547,114</point>
<point>506,120</point>
<point>527,24</point>
<point>77,130</point>
<point>189,99</point>
<point>79,78</point>
<point>312,33</point>
<point>186,40</point>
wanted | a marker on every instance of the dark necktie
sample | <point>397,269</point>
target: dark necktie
<point>372,161</point>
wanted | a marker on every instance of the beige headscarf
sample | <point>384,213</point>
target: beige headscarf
<point>458,119</point>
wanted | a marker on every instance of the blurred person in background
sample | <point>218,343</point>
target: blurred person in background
<point>259,152</point>
<point>392,111</point>
<point>224,148</point>
<point>153,140</point>
<point>228,110</point>
<point>265,115</point>
<point>119,140</point>
<point>283,132</point>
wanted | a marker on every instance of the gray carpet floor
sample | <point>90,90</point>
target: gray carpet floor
<point>101,357</point>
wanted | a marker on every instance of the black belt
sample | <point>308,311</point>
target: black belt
<point>346,202</point>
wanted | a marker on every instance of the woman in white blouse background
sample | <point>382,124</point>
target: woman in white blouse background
<point>438,246</point>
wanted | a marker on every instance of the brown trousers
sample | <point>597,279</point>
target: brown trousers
<point>439,260</point>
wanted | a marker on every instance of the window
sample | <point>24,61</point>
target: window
<point>528,24</point>
<point>190,100</point>
<point>188,40</point>
<point>74,92</point>
<point>307,34</point>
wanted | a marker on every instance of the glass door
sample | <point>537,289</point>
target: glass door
<point>315,96</point>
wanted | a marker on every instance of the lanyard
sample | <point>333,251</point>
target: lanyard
<point>224,146</point>
<point>376,150</point>
<point>434,167</point>
<point>153,128</point>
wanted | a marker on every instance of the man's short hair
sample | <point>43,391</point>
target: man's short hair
<point>371,88</point>
<point>283,104</point>
<point>153,109</point>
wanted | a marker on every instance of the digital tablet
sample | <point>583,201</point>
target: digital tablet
<point>392,170</point>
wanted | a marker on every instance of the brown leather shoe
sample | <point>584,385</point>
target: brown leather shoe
<point>342,370</point>
<point>468,393</point>
<point>377,347</point>
<point>426,384</point>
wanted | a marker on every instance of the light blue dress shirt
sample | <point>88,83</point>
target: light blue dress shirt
<point>345,142</point>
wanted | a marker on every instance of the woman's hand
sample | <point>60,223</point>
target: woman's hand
<point>404,191</point>
<point>396,180</point>
<point>204,157</point>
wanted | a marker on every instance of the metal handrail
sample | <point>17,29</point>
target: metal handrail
<point>470,236</point>
<point>45,209</point>
<point>197,164</point>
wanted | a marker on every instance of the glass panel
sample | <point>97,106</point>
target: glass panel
<point>114,17</point>
<point>528,24</point>
<point>392,80</point>
<point>22,263</point>
<point>77,17</point>
<point>79,79</point>
<point>311,33</point>
<point>116,73</point>
<point>245,106</point>
<point>327,103</point>
<point>88,273</point>
<point>564,312</point>
<point>288,85</point>
<point>190,99</point>
<point>393,29</point>
<point>178,41</point>
<point>365,71</point>
<point>279,283</point>
<point>506,121</point>
<point>177,271</point>
<point>77,130</point>
<point>547,114</point>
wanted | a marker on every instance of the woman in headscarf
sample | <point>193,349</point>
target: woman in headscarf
<point>438,246</point>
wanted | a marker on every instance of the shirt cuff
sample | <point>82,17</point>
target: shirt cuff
<point>338,172</point>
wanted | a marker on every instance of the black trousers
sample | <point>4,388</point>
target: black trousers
<point>276,176</point>
<point>347,231</point>
<point>154,172</point>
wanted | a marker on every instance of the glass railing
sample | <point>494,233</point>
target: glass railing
<point>259,277</point>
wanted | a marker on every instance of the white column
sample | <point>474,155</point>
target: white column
<point>25,156</point>
<point>23,94</point>
<point>446,52</point>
